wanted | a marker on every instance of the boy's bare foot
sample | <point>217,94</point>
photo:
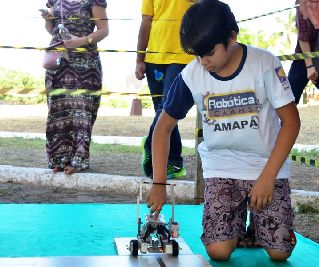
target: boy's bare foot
<point>250,238</point>
<point>241,243</point>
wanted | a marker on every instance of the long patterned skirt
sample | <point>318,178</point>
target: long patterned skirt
<point>69,128</point>
<point>71,117</point>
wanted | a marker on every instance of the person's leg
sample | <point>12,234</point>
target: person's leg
<point>273,224</point>
<point>80,125</point>
<point>297,77</point>
<point>159,79</point>
<point>224,216</point>
<point>175,154</point>
<point>56,136</point>
<point>155,79</point>
<point>222,250</point>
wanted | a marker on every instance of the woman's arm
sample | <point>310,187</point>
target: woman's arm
<point>48,22</point>
<point>305,30</point>
<point>94,37</point>
<point>312,74</point>
<point>102,25</point>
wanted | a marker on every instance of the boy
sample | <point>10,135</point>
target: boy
<point>250,123</point>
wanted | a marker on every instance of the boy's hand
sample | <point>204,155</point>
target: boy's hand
<point>261,193</point>
<point>156,198</point>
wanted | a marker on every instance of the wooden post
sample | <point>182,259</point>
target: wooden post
<point>136,108</point>
<point>199,181</point>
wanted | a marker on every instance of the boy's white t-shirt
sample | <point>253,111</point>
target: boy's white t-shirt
<point>240,123</point>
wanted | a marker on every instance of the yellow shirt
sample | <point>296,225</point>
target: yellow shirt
<point>164,35</point>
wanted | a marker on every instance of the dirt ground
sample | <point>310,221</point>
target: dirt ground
<point>303,177</point>
<point>138,125</point>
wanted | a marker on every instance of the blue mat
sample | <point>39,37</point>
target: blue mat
<point>35,230</point>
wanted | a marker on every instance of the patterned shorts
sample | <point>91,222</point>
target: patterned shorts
<point>225,214</point>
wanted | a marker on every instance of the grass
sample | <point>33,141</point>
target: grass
<point>307,208</point>
<point>39,144</point>
<point>19,142</point>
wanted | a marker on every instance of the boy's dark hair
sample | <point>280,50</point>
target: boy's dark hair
<point>205,24</point>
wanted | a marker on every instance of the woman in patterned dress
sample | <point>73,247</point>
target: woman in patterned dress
<point>71,116</point>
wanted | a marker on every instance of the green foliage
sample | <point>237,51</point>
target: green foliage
<point>279,40</point>
<point>17,80</point>
<point>13,79</point>
<point>122,102</point>
<point>39,144</point>
<point>289,24</point>
<point>307,208</point>
<point>114,102</point>
<point>101,148</point>
<point>32,100</point>
<point>258,39</point>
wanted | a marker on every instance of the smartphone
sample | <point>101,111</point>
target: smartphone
<point>43,10</point>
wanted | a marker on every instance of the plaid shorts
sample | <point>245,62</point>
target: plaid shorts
<point>225,214</point>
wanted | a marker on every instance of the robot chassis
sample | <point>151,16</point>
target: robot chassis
<point>153,236</point>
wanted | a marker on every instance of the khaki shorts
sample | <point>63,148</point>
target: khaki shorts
<point>225,214</point>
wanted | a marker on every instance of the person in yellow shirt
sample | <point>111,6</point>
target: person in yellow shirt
<point>159,33</point>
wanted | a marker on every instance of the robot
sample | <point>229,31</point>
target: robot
<point>154,236</point>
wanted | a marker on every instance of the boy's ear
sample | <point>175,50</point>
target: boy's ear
<point>233,38</point>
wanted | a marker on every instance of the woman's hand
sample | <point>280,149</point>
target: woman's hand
<point>75,42</point>
<point>45,14</point>
<point>48,17</point>
<point>312,74</point>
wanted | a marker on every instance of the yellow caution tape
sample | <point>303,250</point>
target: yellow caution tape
<point>268,14</point>
<point>296,56</point>
<point>306,161</point>
<point>239,21</point>
<point>82,49</point>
